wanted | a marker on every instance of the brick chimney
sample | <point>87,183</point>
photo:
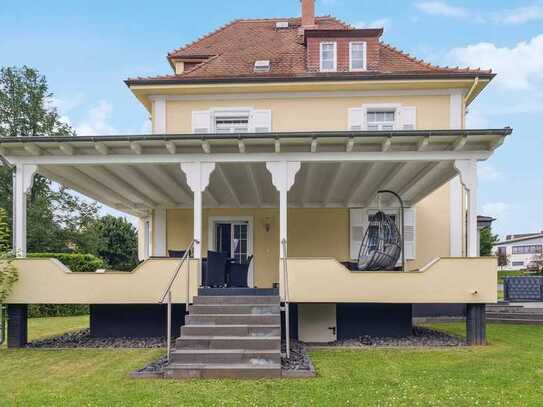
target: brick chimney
<point>308,13</point>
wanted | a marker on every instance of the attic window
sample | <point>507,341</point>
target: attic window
<point>281,24</point>
<point>262,66</point>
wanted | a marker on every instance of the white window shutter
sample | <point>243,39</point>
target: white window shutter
<point>357,119</point>
<point>201,121</point>
<point>358,219</point>
<point>410,233</point>
<point>408,118</point>
<point>261,121</point>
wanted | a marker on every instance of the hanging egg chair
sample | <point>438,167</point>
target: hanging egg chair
<point>382,244</point>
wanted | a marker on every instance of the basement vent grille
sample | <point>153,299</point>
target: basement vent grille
<point>262,66</point>
<point>281,25</point>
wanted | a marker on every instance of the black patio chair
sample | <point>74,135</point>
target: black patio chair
<point>238,272</point>
<point>215,275</point>
<point>176,253</point>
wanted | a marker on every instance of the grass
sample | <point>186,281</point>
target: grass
<point>507,372</point>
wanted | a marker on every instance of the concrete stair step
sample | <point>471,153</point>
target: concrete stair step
<point>229,342</point>
<point>238,291</point>
<point>209,371</point>
<point>251,309</point>
<point>236,299</point>
<point>233,319</point>
<point>222,356</point>
<point>231,330</point>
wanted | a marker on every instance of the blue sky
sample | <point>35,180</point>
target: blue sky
<point>86,49</point>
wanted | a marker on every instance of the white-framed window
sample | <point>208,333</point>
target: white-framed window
<point>328,56</point>
<point>357,56</point>
<point>381,119</point>
<point>232,124</point>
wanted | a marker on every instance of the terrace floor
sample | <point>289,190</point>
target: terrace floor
<point>507,372</point>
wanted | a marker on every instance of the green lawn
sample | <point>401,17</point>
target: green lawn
<point>508,372</point>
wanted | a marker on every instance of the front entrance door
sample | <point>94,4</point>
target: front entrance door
<point>233,236</point>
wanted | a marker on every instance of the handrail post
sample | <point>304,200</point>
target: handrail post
<point>169,326</point>
<point>287,305</point>
<point>168,296</point>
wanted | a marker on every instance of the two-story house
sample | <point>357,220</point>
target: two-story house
<point>271,141</point>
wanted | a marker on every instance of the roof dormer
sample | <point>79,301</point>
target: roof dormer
<point>346,50</point>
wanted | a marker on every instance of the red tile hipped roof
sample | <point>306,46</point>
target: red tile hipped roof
<point>229,54</point>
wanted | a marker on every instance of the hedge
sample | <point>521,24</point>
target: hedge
<point>78,263</point>
<point>55,310</point>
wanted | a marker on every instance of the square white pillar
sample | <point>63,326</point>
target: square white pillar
<point>22,182</point>
<point>198,174</point>
<point>467,169</point>
<point>283,175</point>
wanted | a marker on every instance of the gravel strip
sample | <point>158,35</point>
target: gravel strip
<point>82,339</point>
<point>299,358</point>
<point>421,337</point>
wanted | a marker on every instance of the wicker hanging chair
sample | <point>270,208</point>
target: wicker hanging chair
<point>382,244</point>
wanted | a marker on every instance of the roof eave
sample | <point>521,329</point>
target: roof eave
<point>312,78</point>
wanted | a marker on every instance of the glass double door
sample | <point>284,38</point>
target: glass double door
<point>232,238</point>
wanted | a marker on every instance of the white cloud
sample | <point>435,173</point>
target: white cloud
<point>517,15</point>
<point>441,8</point>
<point>519,67</point>
<point>379,23</point>
<point>520,15</point>
<point>496,210</point>
<point>96,121</point>
<point>487,172</point>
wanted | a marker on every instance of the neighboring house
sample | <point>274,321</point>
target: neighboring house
<point>271,139</point>
<point>519,250</point>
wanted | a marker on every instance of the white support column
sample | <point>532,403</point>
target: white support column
<point>144,238</point>
<point>467,169</point>
<point>159,230</point>
<point>455,215</point>
<point>198,174</point>
<point>283,174</point>
<point>22,182</point>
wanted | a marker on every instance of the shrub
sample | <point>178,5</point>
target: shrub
<point>78,263</point>
<point>55,310</point>
<point>8,272</point>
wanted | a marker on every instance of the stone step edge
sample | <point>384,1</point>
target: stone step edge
<point>233,326</point>
<point>225,366</point>
<point>269,314</point>
<point>220,337</point>
<point>232,351</point>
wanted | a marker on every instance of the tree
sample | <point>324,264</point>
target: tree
<point>487,240</point>
<point>25,105</point>
<point>26,110</point>
<point>117,242</point>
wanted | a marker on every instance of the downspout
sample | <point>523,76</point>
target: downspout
<point>471,90</point>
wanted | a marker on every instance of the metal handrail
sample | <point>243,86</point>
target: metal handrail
<point>168,295</point>
<point>286,294</point>
<point>3,320</point>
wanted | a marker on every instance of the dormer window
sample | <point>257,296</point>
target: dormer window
<point>357,56</point>
<point>328,56</point>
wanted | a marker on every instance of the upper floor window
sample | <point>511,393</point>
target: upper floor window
<point>357,56</point>
<point>231,124</point>
<point>328,56</point>
<point>528,249</point>
<point>381,119</point>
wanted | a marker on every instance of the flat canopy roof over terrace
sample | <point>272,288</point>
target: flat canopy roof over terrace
<point>338,169</point>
